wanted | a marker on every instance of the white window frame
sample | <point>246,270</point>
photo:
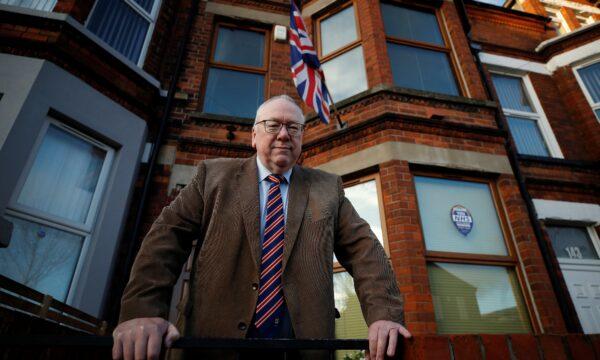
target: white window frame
<point>150,17</point>
<point>595,106</point>
<point>85,229</point>
<point>539,116</point>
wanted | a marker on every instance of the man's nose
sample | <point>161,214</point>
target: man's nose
<point>283,133</point>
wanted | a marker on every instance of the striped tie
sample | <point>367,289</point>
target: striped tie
<point>270,294</point>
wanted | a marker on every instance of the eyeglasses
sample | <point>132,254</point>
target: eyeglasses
<point>274,126</point>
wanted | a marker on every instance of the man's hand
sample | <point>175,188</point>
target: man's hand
<point>384,334</point>
<point>141,338</point>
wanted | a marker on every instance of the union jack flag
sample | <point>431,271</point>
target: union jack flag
<point>306,68</point>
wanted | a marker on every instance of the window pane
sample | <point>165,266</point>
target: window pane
<point>233,93</point>
<point>411,24</point>
<point>240,47</point>
<point>421,69</point>
<point>351,324</point>
<point>571,242</point>
<point>365,200</point>
<point>597,111</point>
<point>345,74</point>
<point>146,5</point>
<point>436,198</point>
<point>120,27</point>
<point>527,136</point>
<point>64,176</point>
<point>473,299</point>
<point>43,5</point>
<point>41,257</point>
<point>591,78</point>
<point>338,30</point>
<point>511,93</point>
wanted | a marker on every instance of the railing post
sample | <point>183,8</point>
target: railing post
<point>45,306</point>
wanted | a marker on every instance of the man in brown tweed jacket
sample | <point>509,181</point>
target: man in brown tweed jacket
<point>222,208</point>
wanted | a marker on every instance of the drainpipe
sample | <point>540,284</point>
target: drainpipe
<point>133,245</point>
<point>558,284</point>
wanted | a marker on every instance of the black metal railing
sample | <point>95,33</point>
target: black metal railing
<point>93,344</point>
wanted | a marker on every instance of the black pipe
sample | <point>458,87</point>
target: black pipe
<point>564,299</point>
<point>133,243</point>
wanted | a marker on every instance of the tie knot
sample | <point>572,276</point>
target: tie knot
<point>276,179</point>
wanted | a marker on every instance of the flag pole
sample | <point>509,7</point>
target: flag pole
<point>340,124</point>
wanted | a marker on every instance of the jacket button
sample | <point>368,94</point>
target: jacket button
<point>242,326</point>
<point>254,286</point>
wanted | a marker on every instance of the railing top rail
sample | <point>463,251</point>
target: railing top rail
<point>189,343</point>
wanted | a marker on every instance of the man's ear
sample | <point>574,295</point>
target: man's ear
<point>254,137</point>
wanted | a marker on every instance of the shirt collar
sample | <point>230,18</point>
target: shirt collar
<point>263,172</point>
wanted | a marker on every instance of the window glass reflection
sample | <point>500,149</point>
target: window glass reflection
<point>411,24</point>
<point>421,69</point>
<point>68,165</point>
<point>572,242</point>
<point>338,30</point>
<point>436,198</point>
<point>340,85</point>
<point>240,47</point>
<point>41,257</point>
<point>233,93</point>
<point>473,299</point>
<point>351,324</point>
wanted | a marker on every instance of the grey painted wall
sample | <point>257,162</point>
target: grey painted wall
<point>54,88</point>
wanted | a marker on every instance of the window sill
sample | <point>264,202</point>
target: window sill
<point>459,101</point>
<point>202,117</point>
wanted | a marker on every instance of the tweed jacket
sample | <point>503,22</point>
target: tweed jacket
<point>220,208</point>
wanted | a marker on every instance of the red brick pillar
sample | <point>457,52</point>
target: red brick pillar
<point>407,249</point>
<point>372,33</point>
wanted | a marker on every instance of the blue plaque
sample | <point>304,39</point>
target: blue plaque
<point>462,219</point>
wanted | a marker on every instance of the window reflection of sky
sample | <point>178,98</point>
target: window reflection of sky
<point>364,199</point>
<point>494,291</point>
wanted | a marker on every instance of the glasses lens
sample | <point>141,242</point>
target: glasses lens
<point>272,126</point>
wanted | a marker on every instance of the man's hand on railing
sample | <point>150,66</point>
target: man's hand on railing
<point>383,335</point>
<point>142,338</point>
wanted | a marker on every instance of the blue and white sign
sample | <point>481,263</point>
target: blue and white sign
<point>462,219</point>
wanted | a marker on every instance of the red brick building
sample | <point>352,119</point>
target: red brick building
<point>471,146</point>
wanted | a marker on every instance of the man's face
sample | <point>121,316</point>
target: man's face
<point>278,152</point>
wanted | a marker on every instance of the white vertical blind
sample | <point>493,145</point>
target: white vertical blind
<point>591,78</point>
<point>121,25</point>
<point>44,5</point>
<point>527,136</point>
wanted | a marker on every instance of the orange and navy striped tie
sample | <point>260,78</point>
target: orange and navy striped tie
<point>270,293</point>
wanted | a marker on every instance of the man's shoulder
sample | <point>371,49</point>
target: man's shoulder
<point>223,164</point>
<point>318,175</point>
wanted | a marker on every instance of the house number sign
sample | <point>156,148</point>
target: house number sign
<point>462,219</point>
<point>574,252</point>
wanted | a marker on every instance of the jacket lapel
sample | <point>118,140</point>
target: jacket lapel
<point>297,202</point>
<point>247,184</point>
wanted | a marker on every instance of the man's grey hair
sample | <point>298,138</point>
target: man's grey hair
<point>279,97</point>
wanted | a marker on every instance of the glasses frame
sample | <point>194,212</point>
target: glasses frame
<point>287,128</point>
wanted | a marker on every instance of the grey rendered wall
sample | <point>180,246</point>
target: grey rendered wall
<point>62,92</point>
